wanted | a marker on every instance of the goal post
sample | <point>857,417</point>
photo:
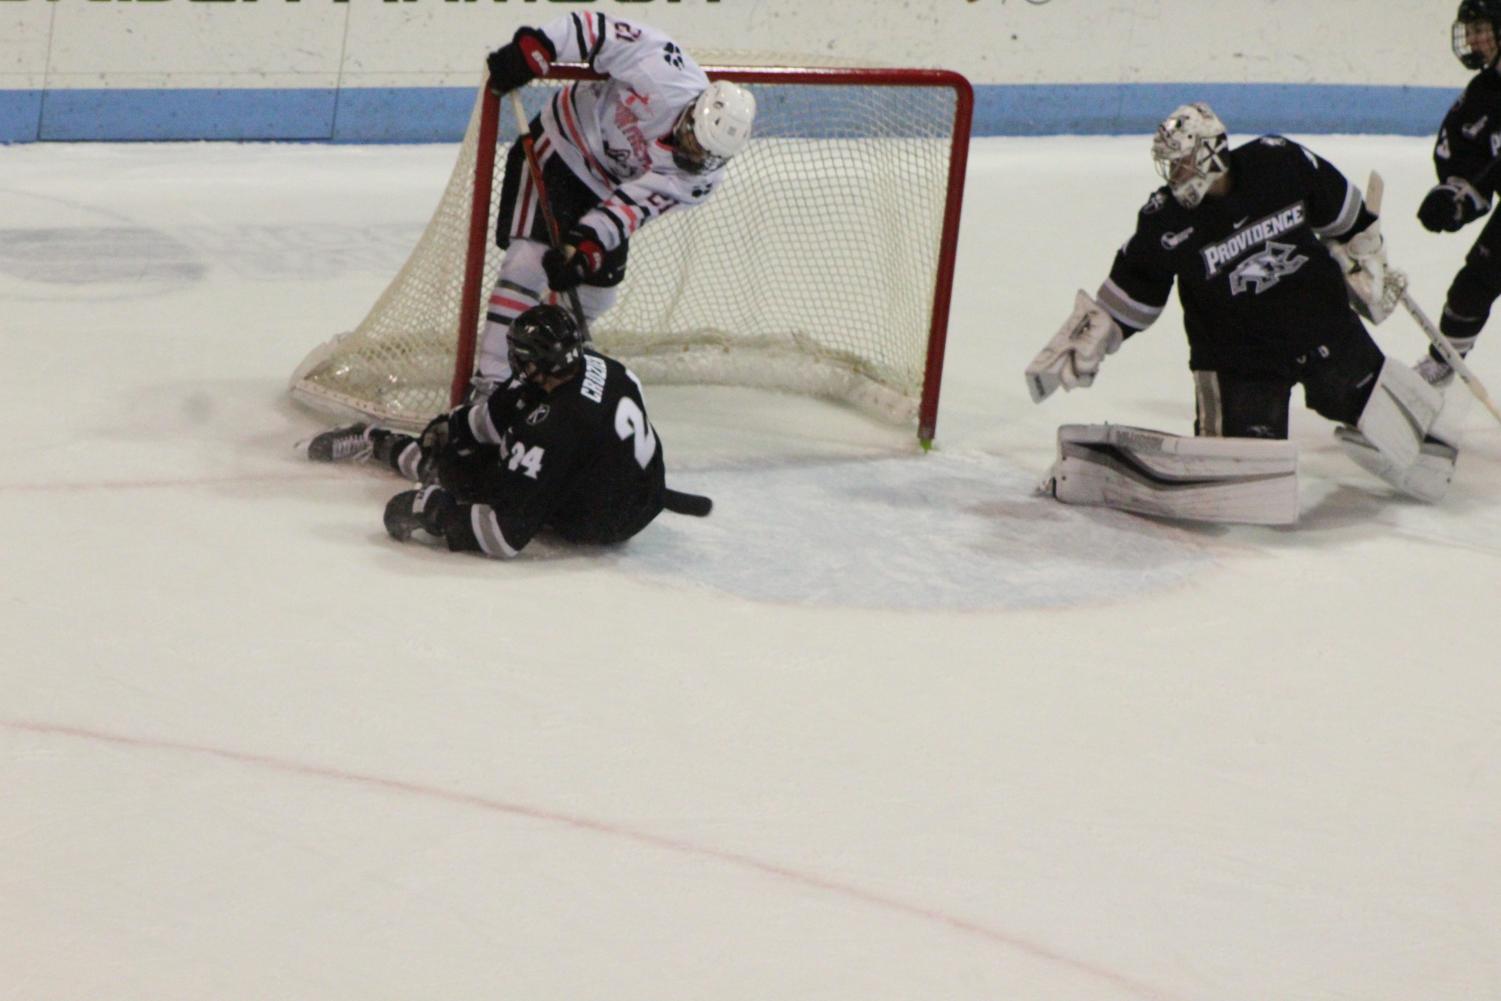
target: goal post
<point>824,265</point>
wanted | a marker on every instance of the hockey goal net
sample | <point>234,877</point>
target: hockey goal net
<point>823,265</point>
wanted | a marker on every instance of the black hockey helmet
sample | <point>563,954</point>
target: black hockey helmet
<point>1474,19</point>
<point>544,342</point>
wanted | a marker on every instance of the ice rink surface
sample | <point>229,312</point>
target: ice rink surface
<point>887,726</point>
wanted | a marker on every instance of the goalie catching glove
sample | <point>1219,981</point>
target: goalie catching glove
<point>1375,287</point>
<point>581,259</point>
<point>1073,356</point>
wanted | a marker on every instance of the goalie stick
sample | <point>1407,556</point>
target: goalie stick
<point>1375,188</point>
<point>695,505</point>
<point>554,234</point>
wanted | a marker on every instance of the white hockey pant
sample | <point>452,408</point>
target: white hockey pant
<point>521,285</point>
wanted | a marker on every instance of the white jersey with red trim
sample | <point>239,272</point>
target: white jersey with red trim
<point>616,133</point>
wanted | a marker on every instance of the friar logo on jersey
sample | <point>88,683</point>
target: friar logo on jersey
<point>1218,255</point>
<point>1261,271</point>
<point>1170,241</point>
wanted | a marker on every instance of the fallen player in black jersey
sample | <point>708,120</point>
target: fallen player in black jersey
<point>563,445</point>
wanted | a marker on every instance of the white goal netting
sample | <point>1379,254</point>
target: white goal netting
<point>821,266</point>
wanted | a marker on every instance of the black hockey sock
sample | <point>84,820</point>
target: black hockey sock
<point>458,529</point>
<point>392,447</point>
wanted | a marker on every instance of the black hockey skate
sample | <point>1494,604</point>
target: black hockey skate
<point>341,444</point>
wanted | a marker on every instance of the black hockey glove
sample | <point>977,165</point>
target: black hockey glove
<point>528,56</point>
<point>452,458</point>
<point>581,259</point>
<point>1450,205</point>
<point>434,443</point>
<point>428,509</point>
<point>435,436</point>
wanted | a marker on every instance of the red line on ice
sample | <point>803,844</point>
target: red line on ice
<point>847,890</point>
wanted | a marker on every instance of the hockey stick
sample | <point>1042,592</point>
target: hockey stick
<point>554,235</point>
<point>1375,187</point>
<point>1451,356</point>
<point>678,502</point>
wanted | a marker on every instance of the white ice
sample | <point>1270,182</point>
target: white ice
<point>886,726</point>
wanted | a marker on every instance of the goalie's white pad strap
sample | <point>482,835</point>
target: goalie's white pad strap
<point>1236,480</point>
<point>1399,413</point>
<point>1427,478</point>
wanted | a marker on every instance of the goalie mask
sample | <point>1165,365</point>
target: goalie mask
<point>715,127</point>
<point>1189,151</point>
<point>544,342</point>
<point>1475,33</point>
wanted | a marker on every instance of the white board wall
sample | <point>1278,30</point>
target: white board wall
<point>72,49</point>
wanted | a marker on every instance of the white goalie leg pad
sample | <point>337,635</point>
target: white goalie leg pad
<point>1427,477</point>
<point>1448,426</point>
<point>1399,413</point>
<point>1427,474</point>
<point>1231,480</point>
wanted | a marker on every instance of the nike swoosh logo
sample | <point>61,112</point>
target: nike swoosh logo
<point>1242,222</point>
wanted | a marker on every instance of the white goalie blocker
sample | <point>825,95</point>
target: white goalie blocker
<point>1248,481</point>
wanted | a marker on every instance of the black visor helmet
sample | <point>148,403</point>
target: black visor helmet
<point>544,342</point>
<point>1475,33</point>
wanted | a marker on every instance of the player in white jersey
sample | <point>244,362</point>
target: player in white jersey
<point>654,135</point>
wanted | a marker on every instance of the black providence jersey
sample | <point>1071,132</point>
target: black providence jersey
<point>583,460</point>
<point>1257,286</point>
<point>1469,140</point>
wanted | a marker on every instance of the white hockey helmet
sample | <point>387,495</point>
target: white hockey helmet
<point>715,127</point>
<point>1189,151</point>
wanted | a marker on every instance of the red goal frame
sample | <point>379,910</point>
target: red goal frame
<point>489,132</point>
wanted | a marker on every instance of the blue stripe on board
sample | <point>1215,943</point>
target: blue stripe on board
<point>20,110</point>
<point>210,113</point>
<point>439,114</point>
<point>1121,109</point>
<point>404,115</point>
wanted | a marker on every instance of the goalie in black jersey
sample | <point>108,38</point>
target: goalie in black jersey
<point>1464,157</point>
<point>1270,247</point>
<point>564,444</point>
